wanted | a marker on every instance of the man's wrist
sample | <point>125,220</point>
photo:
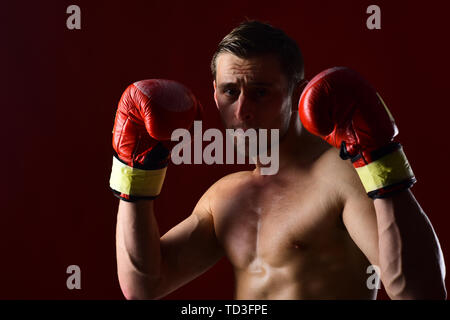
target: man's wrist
<point>130,184</point>
<point>387,174</point>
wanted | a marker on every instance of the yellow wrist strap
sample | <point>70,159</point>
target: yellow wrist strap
<point>388,170</point>
<point>136,182</point>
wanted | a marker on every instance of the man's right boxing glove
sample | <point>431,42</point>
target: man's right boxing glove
<point>148,112</point>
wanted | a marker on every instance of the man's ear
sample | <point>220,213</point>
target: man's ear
<point>215,93</point>
<point>297,93</point>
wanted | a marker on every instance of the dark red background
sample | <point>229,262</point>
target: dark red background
<point>62,87</point>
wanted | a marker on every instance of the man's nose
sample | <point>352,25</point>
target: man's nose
<point>244,109</point>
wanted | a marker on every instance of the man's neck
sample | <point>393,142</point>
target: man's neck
<point>298,147</point>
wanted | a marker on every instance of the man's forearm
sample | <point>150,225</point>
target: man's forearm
<point>411,260</point>
<point>138,249</point>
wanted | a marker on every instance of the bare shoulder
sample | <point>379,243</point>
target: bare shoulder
<point>223,189</point>
<point>338,174</point>
<point>231,181</point>
<point>226,186</point>
<point>338,178</point>
<point>358,212</point>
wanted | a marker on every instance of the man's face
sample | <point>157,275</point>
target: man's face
<point>252,93</point>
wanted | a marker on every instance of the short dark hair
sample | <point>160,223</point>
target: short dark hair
<point>254,38</point>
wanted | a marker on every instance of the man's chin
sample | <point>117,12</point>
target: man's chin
<point>262,148</point>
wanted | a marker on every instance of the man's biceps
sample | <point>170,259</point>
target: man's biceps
<point>359,211</point>
<point>196,231</point>
<point>361,223</point>
<point>192,250</point>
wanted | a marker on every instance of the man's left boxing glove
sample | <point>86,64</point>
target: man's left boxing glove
<point>147,114</point>
<point>346,111</point>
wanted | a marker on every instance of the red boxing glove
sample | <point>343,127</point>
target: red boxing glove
<point>342,108</point>
<point>148,112</point>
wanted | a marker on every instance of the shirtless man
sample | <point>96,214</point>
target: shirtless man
<point>308,232</point>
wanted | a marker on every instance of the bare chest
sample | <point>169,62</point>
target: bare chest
<point>272,223</point>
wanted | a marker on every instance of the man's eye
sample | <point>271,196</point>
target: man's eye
<point>230,92</point>
<point>261,92</point>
